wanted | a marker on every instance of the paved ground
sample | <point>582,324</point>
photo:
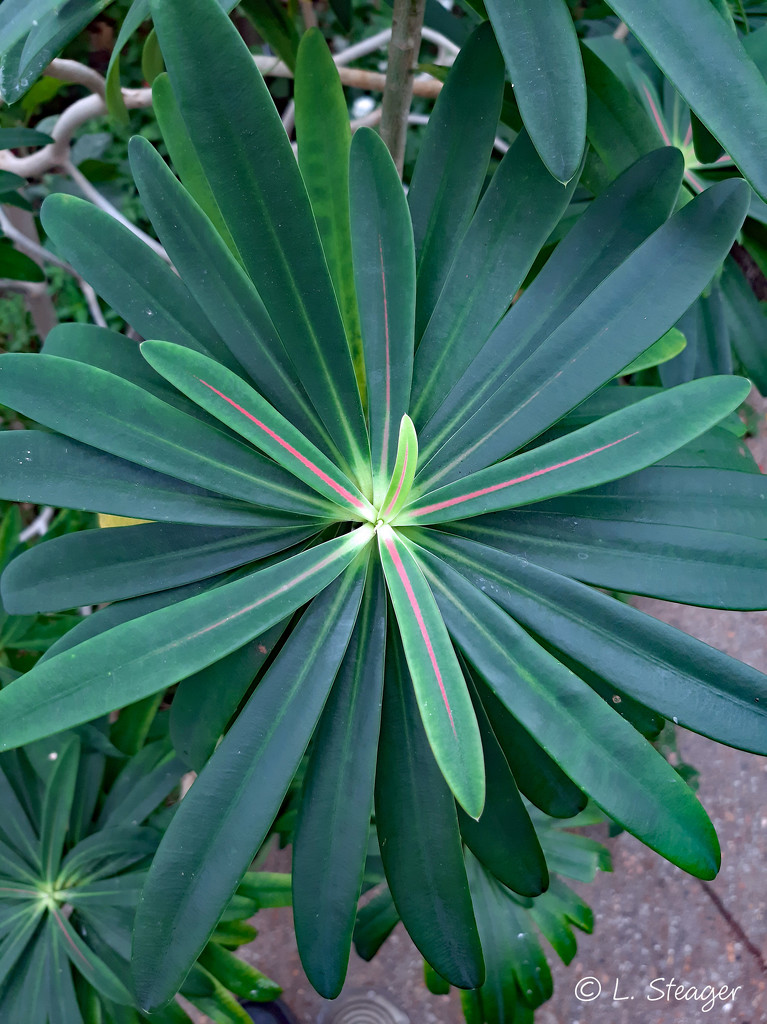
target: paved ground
<point>652,920</point>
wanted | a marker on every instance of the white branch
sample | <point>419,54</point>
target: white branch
<point>38,252</point>
<point>39,526</point>
<point>77,73</point>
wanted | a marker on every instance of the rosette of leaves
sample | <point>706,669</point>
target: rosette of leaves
<point>380,490</point>
<point>518,978</point>
<point>80,824</point>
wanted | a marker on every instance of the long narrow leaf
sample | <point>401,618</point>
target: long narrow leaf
<point>135,281</point>
<point>222,821</point>
<point>144,655</point>
<point>185,161</point>
<point>520,208</point>
<point>331,835</point>
<point>673,563</point>
<point>605,332</point>
<point>232,122</point>
<point>540,47</point>
<point>452,163</point>
<point>204,703</point>
<point>614,446</point>
<point>384,272</point>
<point>614,225</point>
<point>225,293</point>
<point>663,668</point>
<point>503,838</point>
<point>601,752</point>
<point>441,693</point>
<point>693,45</point>
<point>120,355</point>
<point>725,500</point>
<point>57,807</point>
<point>108,412</point>
<point>95,566</point>
<point>240,407</point>
<point>40,467</point>
<point>324,137</point>
<point>419,837</point>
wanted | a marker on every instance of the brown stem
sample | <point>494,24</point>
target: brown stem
<point>407,22</point>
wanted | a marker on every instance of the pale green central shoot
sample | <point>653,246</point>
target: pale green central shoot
<point>398,491</point>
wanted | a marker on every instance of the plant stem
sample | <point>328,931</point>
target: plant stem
<point>407,21</point>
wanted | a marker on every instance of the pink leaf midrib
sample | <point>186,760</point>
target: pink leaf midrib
<point>449,502</point>
<point>326,479</point>
<point>391,547</point>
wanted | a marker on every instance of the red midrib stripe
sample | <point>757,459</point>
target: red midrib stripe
<point>518,480</point>
<point>658,119</point>
<point>355,502</point>
<point>402,572</point>
<point>387,417</point>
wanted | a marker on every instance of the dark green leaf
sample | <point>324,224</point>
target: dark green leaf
<point>673,563</point>
<point>144,655</point>
<point>707,499</point>
<point>32,33</point>
<point>440,688</point>
<point>132,278</point>
<point>119,355</point>
<point>601,240</point>
<point>519,210</point>
<point>42,468</point>
<point>701,55</point>
<point>204,703</point>
<point>111,413</point>
<point>232,122</point>
<point>614,446</point>
<point>541,780</point>
<point>227,396</point>
<point>708,340</point>
<point>91,966</point>
<point>375,922</point>
<point>337,799</point>
<point>57,806</point>
<point>747,324</point>
<point>663,668</point>
<point>237,976</point>
<point>183,156</point>
<point>95,566</point>
<point>415,816</point>
<point>12,138</point>
<point>275,24</point>
<point>221,822</point>
<point>603,334</point>
<point>540,47</point>
<point>221,287</point>
<point>452,163</point>
<point>618,126</point>
<point>600,752</point>
<point>503,838</point>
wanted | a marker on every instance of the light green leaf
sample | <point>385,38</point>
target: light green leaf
<point>443,699</point>
<point>384,273</point>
